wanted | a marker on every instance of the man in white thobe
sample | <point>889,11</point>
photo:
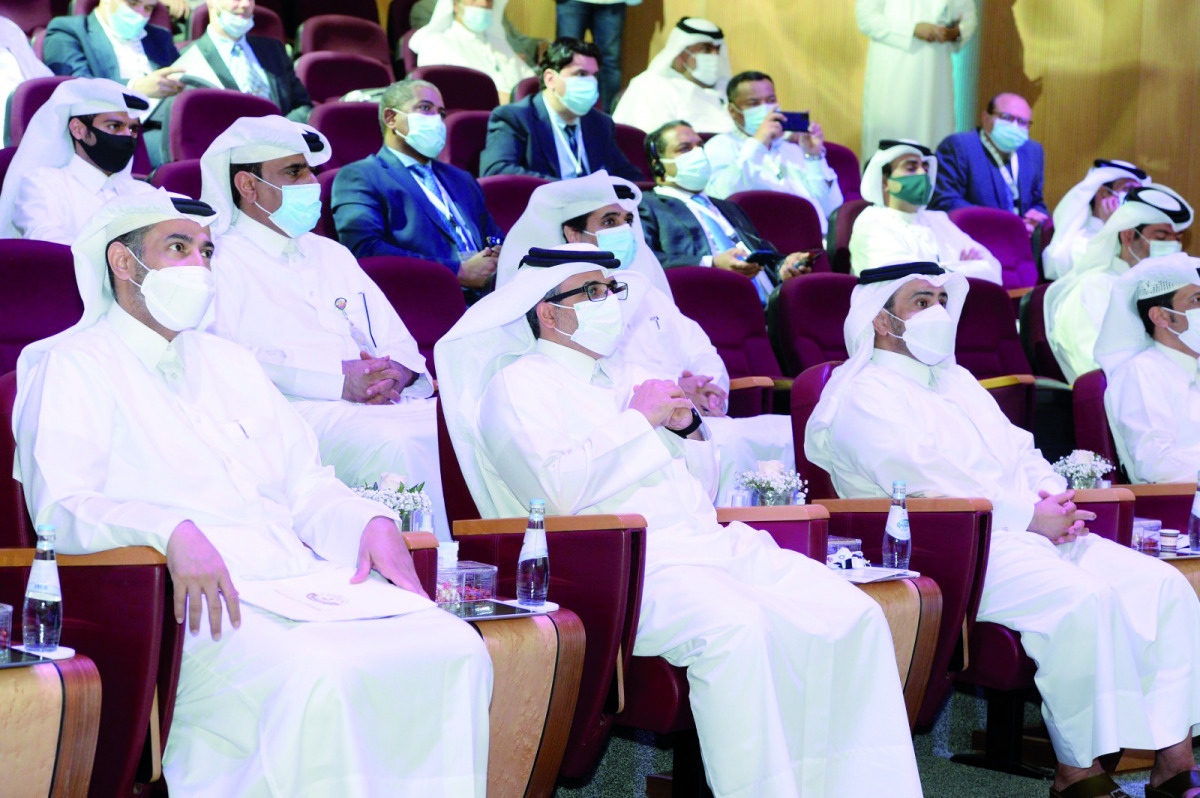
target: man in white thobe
<point>1114,633</point>
<point>686,80</point>
<point>1148,347</point>
<point>902,225</point>
<point>1084,209</point>
<point>1149,223</point>
<point>322,330</point>
<point>18,63</point>
<point>545,415</point>
<point>757,155</point>
<point>470,33</point>
<point>908,90</point>
<point>602,210</point>
<point>76,154</point>
<point>184,445</point>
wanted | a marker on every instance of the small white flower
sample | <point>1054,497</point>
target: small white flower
<point>769,467</point>
<point>389,481</point>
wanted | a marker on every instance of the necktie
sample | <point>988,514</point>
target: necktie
<point>457,226</point>
<point>720,241</point>
<point>247,77</point>
<point>573,146</point>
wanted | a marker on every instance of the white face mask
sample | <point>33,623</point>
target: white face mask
<point>1160,249</point>
<point>929,335</point>
<point>476,18</point>
<point>706,69</point>
<point>1191,336</point>
<point>600,324</point>
<point>692,169</point>
<point>619,241</point>
<point>177,296</point>
<point>235,25</point>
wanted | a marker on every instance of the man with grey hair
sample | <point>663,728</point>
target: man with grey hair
<point>402,201</point>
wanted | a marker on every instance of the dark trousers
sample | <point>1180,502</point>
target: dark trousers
<point>607,24</point>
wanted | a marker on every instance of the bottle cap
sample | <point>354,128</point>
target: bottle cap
<point>898,484</point>
<point>537,503</point>
<point>46,528</point>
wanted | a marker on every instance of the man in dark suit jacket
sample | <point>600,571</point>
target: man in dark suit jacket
<point>86,47</point>
<point>686,227</point>
<point>977,167</point>
<point>206,59</point>
<point>557,133</point>
<point>401,201</point>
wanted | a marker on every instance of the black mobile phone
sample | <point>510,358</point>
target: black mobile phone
<point>14,658</point>
<point>796,121</point>
<point>763,257</point>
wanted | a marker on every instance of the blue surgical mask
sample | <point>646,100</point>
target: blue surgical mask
<point>126,23</point>
<point>300,209</point>
<point>426,133</point>
<point>234,25</point>
<point>1008,136</point>
<point>620,242</point>
<point>752,118</point>
<point>582,91</point>
<point>476,19</point>
<point>692,169</point>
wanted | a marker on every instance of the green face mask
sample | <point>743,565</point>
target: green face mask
<point>914,189</point>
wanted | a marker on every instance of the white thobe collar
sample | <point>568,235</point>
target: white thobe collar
<point>274,244</point>
<point>1186,362</point>
<point>906,366</point>
<point>581,366</point>
<point>92,178</point>
<point>148,346</point>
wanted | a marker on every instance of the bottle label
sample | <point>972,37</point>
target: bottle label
<point>897,523</point>
<point>43,581</point>
<point>534,545</point>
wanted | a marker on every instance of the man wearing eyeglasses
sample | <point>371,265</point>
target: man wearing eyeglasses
<point>994,166</point>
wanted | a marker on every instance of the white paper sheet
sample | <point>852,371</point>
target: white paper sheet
<point>329,596</point>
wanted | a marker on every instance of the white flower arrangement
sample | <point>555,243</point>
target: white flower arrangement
<point>771,480</point>
<point>1082,466</point>
<point>391,492</point>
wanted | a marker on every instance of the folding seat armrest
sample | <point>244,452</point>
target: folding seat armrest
<point>764,384</point>
<point>554,523</point>
<point>127,555</point>
<point>1017,293</point>
<point>803,528</point>
<point>1007,380</point>
<point>1114,512</point>
<point>1166,489</point>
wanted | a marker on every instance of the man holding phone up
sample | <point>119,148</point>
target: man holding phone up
<point>766,152</point>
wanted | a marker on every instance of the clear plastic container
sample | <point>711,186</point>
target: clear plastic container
<point>468,581</point>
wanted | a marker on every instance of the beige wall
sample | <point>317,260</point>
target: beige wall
<point>1107,78</point>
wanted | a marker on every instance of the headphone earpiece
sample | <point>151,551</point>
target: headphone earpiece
<point>656,165</point>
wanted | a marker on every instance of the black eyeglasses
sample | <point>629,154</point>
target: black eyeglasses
<point>1016,120</point>
<point>595,292</point>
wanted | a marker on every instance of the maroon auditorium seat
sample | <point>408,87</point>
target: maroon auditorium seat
<point>29,15</point>
<point>426,295</point>
<point>989,347</point>
<point>789,222</point>
<point>1092,430</point>
<point>325,225</point>
<point>6,156</point>
<point>36,302</point>
<point>352,129</point>
<point>328,76</point>
<point>266,23</point>
<point>843,227</point>
<point>398,15</point>
<point>338,33</point>
<point>812,312</point>
<point>507,195</point>
<point>24,102</point>
<point>806,392</point>
<point>198,116</point>
<point>466,136</point>
<point>631,141</point>
<point>181,177</point>
<point>529,86</point>
<point>843,161</point>
<point>728,309</point>
<point>1032,312</point>
<point>407,56</point>
<point>300,10</point>
<point>1005,236</point>
<point>462,88</point>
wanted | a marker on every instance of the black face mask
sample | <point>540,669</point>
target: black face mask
<point>110,152</point>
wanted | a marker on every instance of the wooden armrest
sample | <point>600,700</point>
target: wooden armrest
<point>1007,380</point>
<point>126,555</point>
<point>742,383</point>
<point>554,523</point>
<point>1103,495</point>
<point>1017,293</point>
<point>799,512</point>
<point>783,384</point>
<point>1160,489</point>
<point>415,541</point>
<point>941,505</point>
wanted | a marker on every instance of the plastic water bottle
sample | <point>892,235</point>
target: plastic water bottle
<point>1194,522</point>
<point>533,565</point>
<point>42,620</point>
<point>897,539</point>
